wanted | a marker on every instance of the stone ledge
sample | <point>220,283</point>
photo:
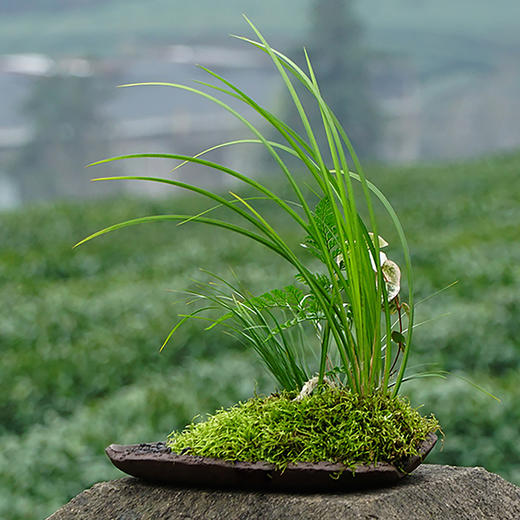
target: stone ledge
<point>431,492</point>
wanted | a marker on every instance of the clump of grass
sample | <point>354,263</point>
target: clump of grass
<point>345,290</point>
<point>333,425</point>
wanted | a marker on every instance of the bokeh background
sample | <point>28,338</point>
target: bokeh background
<point>428,91</point>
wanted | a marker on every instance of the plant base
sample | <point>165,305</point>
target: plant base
<point>156,463</point>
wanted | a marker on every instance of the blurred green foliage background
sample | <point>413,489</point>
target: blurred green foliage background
<point>80,330</point>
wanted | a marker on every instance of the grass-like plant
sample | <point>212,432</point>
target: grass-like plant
<point>346,291</point>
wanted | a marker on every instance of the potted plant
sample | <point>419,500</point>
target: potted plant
<point>336,418</point>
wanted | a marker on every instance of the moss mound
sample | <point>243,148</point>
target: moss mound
<point>334,426</point>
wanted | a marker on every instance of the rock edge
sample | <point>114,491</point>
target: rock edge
<point>432,491</point>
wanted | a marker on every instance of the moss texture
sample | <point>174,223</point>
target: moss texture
<point>334,426</point>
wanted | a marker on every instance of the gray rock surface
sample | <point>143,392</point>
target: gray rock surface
<point>431,492</point>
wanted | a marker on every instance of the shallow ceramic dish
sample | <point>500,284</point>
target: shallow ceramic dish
<point>155,462</point>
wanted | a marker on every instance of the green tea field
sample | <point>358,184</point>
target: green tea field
<point>80,330</point>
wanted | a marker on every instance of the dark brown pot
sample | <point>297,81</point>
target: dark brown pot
<point>155,462</point>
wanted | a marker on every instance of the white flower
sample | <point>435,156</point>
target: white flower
<point>382,241</point>
<point>382,259</point>
<point>392,276</point>
<point>390,270</point>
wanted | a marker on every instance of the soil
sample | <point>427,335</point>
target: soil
<point>156,463</point>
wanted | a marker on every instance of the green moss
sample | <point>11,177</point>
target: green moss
<point>334,426</point>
